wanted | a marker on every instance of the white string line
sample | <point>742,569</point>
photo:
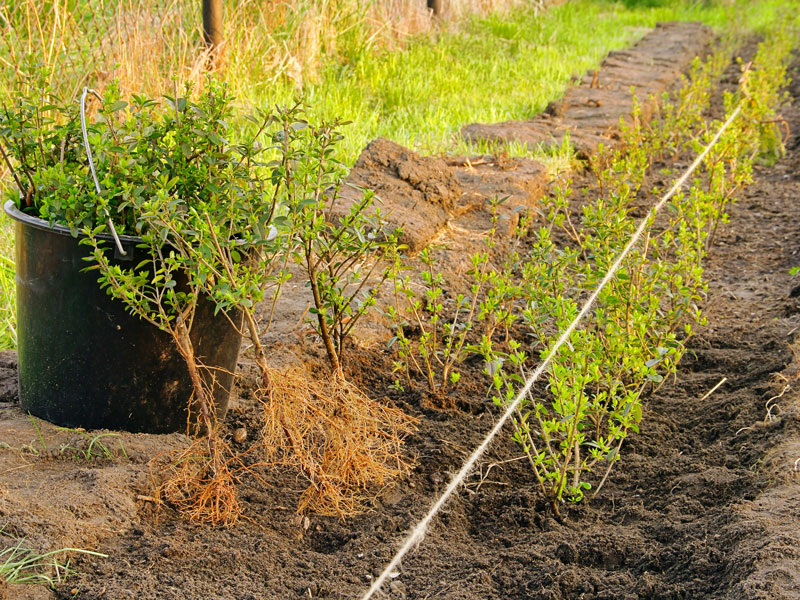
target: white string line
<point>419,531</point>
<point>91,165</point>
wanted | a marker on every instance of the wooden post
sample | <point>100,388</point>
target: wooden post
<point>436,7</point>
<point>212,26</point>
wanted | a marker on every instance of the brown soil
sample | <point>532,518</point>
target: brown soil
<point>417,193</point>
<point>704,504</point>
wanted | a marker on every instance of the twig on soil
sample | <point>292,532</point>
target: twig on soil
<point>457,447</point>
<point>449,586</point>
<point>491,466</point>
<point>769,406</point>
<point>714,389</point>
<point>302,316</point>
<point>611,461</point>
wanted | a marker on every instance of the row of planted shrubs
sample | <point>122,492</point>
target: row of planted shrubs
<point>573,426</point>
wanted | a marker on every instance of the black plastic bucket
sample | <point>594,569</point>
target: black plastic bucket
<point>86,362</point>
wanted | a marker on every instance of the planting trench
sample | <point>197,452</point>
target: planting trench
<point>704,504</point>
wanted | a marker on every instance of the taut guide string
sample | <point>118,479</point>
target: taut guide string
<point>91,165</point>
<point>418,532</point>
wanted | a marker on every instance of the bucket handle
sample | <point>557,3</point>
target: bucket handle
<point>86,91</point>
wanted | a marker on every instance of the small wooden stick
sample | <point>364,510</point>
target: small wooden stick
<point>714,389</point>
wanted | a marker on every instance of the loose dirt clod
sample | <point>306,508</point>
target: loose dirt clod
<point>416,193</point>
<point>239,435</point>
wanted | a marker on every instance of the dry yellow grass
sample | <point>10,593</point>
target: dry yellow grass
<point>154,46</point>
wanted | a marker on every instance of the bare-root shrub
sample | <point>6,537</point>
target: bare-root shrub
<point>347,445</point>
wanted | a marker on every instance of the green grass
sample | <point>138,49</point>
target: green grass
<point>8,300</point>
<point>494,69</point>
<point>556,159</point>
<point>21,565</point>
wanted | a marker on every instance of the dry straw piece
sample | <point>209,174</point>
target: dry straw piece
<point>346,444</point>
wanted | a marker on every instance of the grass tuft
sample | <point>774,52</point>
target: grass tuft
<point>22,565</point>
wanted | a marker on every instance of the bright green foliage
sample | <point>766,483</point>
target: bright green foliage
<point>339,253</point>
<point>643,318</point>
<point>168,173</point>
<point>203,208</point>
<point>8,305</point>
<point>142,150</point>
<point>443,324</point>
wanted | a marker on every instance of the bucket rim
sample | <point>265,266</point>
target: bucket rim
<point>15,213</point>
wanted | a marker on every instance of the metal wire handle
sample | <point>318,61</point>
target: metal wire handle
<point>91,165</point>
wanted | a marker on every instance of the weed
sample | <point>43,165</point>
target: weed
<point>38,432</point>
<point>93,442</point>
<point>21,565</point>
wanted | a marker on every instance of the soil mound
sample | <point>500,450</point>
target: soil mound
<point>416,193</point>
<point>518,182</point>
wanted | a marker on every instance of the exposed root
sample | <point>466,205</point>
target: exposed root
<point>344,443</point>
<point>772,404</point>
<point>201,481</point>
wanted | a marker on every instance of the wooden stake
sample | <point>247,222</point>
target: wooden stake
<point>212,27</point>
